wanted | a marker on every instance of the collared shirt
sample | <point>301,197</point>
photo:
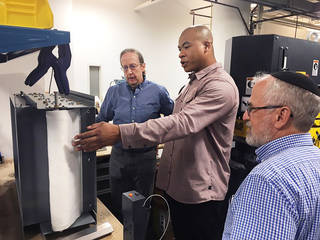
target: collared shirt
<point>198,135</point>
<point>123,105</point>
<point>280,198</point>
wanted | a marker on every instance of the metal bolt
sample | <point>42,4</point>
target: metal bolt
<point>56,103</point>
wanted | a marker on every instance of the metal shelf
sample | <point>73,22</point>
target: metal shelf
<point>22,38</point>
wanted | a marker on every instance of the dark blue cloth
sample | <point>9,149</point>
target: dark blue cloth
<point>46,59</point>
<point>123,105</point>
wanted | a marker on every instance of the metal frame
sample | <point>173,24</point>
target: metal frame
<point>296,7</point>
<point>314,9</point>
<point>29,131</point>
<point>192,12</point>
<point>235,7</point>
<point>19,41</point>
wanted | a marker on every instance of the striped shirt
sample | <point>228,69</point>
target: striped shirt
<point>280,198</point>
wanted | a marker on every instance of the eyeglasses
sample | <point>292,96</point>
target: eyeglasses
<point>132,67</point>
<point>250,108</point>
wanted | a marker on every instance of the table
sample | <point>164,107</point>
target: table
<point>10,222</point>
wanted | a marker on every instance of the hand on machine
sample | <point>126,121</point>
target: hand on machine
<point>98,135</point>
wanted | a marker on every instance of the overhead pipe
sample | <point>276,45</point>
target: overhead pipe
<point>237,8</point>
<point>192,12</point>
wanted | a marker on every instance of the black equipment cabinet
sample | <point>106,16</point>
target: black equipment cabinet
<point>247,55</point>
<point>103,177</point>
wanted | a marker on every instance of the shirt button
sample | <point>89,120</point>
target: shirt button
<point>134,96</point>
<point>133,108</point>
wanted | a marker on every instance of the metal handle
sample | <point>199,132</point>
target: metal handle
<point>284,58</point>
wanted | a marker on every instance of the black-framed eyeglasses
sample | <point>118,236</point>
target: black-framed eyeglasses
<point>132,67</point>
<point>250,108</point>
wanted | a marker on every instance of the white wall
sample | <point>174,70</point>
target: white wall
<point>12,76</point>
<point>100,29</point>
<point>227,24</point>
<point>287,31</point>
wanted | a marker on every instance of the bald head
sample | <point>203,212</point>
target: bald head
<point>202,33</point>
<point>196,50</point>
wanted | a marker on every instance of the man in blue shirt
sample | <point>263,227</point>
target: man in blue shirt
<point>280,198</point>
<point>135,100</point>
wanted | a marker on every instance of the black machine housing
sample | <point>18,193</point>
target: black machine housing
<point>30,149</point>
<point>248,55</point>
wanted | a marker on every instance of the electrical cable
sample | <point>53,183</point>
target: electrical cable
<point>50,80</point>
<point>295,32</point>
<point>158,195</point>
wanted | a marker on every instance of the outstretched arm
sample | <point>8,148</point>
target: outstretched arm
<point>98,135</point>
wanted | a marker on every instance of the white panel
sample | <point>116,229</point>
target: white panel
<point>65,185</point>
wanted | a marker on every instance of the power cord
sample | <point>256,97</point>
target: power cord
<point>158,195</point>
<point>50,80</point>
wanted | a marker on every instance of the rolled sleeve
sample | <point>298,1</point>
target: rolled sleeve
<point>208,106</point>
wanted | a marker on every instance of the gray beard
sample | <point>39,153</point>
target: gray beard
<point>256,140</point>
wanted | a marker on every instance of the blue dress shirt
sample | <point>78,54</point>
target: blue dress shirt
<point>280,198</point>
<point>123,105</point>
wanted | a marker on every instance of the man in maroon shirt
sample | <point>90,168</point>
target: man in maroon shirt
<point>194,167</point>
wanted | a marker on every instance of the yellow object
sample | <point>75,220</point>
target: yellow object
<point>240,129</point>
<point>315,131</point>
<point>304,73</point>
<point>26,13</point>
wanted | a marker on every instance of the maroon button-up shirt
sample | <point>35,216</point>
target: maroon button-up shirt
<point>194,166</point>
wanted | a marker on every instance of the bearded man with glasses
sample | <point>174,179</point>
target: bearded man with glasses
<point>280,198</point>
<point>135,100</point>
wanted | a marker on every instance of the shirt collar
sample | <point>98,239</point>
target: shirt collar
<point>140,86</point>
<point>295,140</point>
<point>202,73</point>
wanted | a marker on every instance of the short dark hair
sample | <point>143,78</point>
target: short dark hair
<point>140,57</point>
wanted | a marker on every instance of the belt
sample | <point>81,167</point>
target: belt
<point>137,150</point>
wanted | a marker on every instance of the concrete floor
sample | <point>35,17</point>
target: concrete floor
<point>10,223</point>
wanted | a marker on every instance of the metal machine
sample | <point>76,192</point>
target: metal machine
<point>30,147</point>
<point>135,216</point>
<point>248,55</point>
<point>23,32</point>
